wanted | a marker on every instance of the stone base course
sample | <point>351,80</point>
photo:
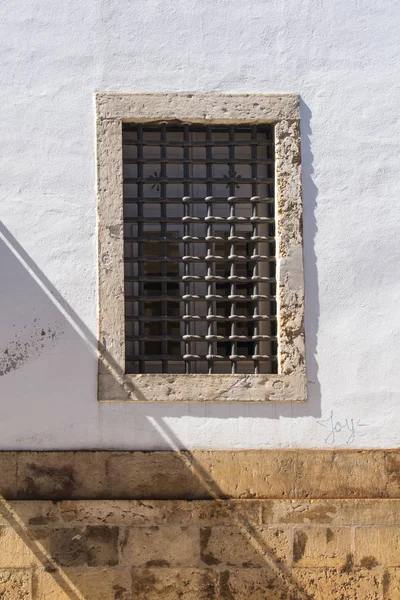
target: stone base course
<point>204,549</point>
<point>259,525</point>
<point>200,474</point>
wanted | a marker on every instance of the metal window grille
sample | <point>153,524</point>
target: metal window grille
<point>199,233</point>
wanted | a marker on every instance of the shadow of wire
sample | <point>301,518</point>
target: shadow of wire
<point>246,529</point>
<point>41,554</point>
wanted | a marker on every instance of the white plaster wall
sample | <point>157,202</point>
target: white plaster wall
<point>343,58</point>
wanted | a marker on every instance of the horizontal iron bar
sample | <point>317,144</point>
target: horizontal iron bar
<point>173,357</point>
<point>198,318</point>
<point>199,338</point>
<point>194,200</point>
<point>176,220</point>
<point>198,161</point>
<point>205,259</point>
<point>200,220</point>
<point>205,240</point>
<point>198,278</point>
<point>194,357</point>
<point>230,258</point>
<point>192,297</point>
<point>232,219</point>
<point>196,144</point>
<point>192,180</point>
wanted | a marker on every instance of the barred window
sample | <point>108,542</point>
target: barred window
<point>201,294</point>
<point>199,233</point>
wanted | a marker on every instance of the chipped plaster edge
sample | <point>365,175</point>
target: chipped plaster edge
<point>282,110</point>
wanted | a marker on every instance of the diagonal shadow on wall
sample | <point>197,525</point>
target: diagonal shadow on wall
<point>48,347</point>
<point>38,320</point>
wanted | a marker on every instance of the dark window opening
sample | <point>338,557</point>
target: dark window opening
<point>199,232</point>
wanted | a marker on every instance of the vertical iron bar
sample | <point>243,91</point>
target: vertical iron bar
<point>232,232</point>
<point>210,272</point>
<point>254,213</point>
<point>272,249</point>
<point>141,288</point>
<point>256,329</point>
<point>186,230</point>
<point>232,290</point>
<point>164,285</point>
<point>211,286</point>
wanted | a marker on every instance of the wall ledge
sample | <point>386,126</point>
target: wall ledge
<point>200,474</point>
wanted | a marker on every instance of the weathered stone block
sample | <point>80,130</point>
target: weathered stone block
<point>370,512</point>
<point>255,584</point>
<point>247,474</point>
<point>17,550</point>
<point>29,513</point>
<point>333,584</point>
<point>170,584</point>
<point>392,461</point>
<point>227,512</point>
<point>85,583</point>
<point>299,584</point>
<point>8,470</point>
<point>158,475</point>
<point>336,474</point>
<point>243,547</point>
<point>58,475</point>
<point>377,546</point>
<point>169,546</point>
<point>292,512</point>
<point>66,545</point>
<point>134,513</point>
<point>102,546</point>
<point>391,584</point>
<point>331,512</point>
<point>321,546</point>
<point>15,585</point>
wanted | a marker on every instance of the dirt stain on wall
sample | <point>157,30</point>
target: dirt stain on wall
<point>28,344</point>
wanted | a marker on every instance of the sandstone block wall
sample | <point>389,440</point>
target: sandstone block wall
<point>204,525</point>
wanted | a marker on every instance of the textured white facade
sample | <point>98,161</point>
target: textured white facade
<point>343,59</point>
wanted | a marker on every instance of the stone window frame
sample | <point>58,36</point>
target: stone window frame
<point>283,111</point>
